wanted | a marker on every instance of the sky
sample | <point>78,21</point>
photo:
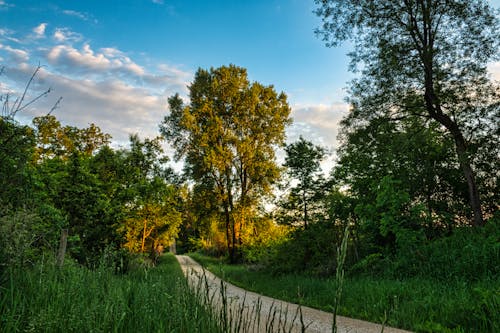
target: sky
<point>115,62</point>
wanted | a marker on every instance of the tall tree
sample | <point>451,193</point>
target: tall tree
<point>227,135</point>
<point>424,58</point>
<point>303,164</point>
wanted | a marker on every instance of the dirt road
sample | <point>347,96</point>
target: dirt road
<point>250,312</point>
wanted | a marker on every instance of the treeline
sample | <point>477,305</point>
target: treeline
<point>416,175</point>
<point>55,177</point>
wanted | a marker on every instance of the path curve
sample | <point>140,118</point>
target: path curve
<point>260,313</point>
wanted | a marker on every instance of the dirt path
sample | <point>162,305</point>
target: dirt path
<point>252,312</point>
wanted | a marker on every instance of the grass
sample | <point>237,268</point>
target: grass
<point>422,305</point>
<point>76,299</point>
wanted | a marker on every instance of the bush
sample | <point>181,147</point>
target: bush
<point>17,238</point>
<point>313,250</point>
<point>469,254</point>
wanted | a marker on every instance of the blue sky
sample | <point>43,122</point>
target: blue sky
<point>116,62</point>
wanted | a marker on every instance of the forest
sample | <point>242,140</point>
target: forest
<point>414,192</point>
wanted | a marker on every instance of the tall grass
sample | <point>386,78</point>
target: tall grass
<point>417,304</point>
<point>76,299</point>
<point>244,313</point>
<point>73,298</point>
<point>339,277</point>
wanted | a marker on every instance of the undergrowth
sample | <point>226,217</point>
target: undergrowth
<point>417,304</point>
<point>76,299</point>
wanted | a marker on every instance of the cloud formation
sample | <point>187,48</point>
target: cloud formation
<point>103,86</point>
<point>62,35</point>
<point>39,30</point>
<point>494,70</point>
<point>79,15</point>
<point>121,93</point>
<point>319,123</point>
<point>5,5</point>
<point>16,55</point>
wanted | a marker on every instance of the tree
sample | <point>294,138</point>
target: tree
<point>227,135</point>
<point>303,164</point>
<point>16,146</point>
<point>418,156</point>
<point>55,140</point>
<point>150,197</point>
<point>28,224</point>
<point>17,143</point>
<point>423,58</point>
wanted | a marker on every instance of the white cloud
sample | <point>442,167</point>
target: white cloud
<point>17,55</point>
<point>118,108</point>
<point>494,69</point>
<point>40,30</point>
<point>104,86</point>
<point>74,13</point>
<point>66,35</point>
<point>59,36</point>
<point>319,123</point>
<point>112,63</point>
<point>85,58</point>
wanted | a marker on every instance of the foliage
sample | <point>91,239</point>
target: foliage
<point>55,140</point>
<point>311,250</point>
<point>463,255</point>
<point>17,238</point>
<point>392,221</point>
<point>227,135</point>
<point>56,176</point>
<point>152,218</point>
<point>262,239</point>
<point>16,146</point>
<point>420,158</point>
<point>302,163</point>
<point>423,59</point>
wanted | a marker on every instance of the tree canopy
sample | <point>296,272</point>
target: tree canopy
<point>227,135</point>
<point>302,163</point>
<point>424,58</point>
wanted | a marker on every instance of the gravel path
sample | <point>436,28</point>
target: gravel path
<point>251,312</point>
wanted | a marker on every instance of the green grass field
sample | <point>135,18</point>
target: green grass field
<point>415,304</point>
<point>76,299</point>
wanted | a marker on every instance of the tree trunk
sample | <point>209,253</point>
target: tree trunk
<point>471,181</point>
<point>228,231</point>
<point>144,236</point>
<point>461,149</point>
<point>305,208</point>
<point>231,220</point>
<point>62,247</point>
<point>433,107</point>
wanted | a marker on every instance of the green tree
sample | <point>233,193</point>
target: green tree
<point>66,160</point>
<point>17,143</point>
<point>227,135</point>
<point>28,223</point>
<point>55,140</point>
<point>152,217</point>
<point>303,165</point>
<point>423,58</point>
<point>419,156</point>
